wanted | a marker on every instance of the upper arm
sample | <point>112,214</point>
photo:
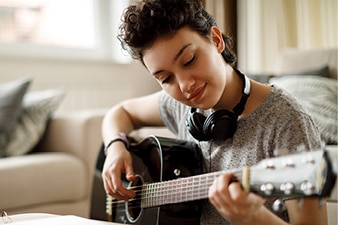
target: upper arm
<point>144,111</point>
<point>310,211</point>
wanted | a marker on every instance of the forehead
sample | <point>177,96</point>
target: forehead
<point>165,48</point>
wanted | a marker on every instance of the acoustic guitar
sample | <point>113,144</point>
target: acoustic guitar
<point>170,186</point>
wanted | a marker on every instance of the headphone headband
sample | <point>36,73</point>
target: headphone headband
<point>239,108</point>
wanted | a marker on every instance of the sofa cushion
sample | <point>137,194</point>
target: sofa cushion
<point>37,109</point>
<point>319,96</point>
<point>293,60</point>
<point>49,177</point>
<point>11,95</point>
<point>322,71</point>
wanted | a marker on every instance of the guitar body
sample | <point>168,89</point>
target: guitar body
<point>158,159</point>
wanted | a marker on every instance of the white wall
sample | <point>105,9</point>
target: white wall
<point>87,84</point>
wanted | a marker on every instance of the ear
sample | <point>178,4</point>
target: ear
<point>217,38</point>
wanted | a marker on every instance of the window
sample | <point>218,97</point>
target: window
<point>79,29</point>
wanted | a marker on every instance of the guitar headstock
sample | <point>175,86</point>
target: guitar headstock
<point>297,175</point>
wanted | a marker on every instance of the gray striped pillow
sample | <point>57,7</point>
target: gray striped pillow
<point>319,96</point>
<point>11,96</point>
<point>37,109</point>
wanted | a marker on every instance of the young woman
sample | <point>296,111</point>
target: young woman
<point>236,121</point>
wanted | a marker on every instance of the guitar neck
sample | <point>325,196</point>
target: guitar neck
<point>183,189</point>
<point>307,174</point>
<point>297,175</point>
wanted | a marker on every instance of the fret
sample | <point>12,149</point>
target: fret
<point>169,191</point>
<point>154,194</point>
<point>195,188</point>
<point>161,195</point>
<point>184,188</point>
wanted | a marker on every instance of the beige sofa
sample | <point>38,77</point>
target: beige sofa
<point>57,178</point>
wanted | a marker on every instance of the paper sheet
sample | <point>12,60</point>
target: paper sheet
<point>64,220</point>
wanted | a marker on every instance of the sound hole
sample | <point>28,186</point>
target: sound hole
<point>133,206</point>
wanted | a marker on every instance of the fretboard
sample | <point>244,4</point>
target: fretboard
<point>178,190</point>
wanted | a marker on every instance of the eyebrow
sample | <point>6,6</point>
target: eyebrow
<point>176,57</point>
<point>181,51</point>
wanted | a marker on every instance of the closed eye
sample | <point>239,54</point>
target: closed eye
<point>166,80</point>
<point>191,61</point>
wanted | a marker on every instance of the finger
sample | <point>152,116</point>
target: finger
<point>113,185</point>
<point>219,196</point>
<point>119,190</point>
<point>108,185</point>
<point>219,190</point>
<point>130,175</point>
<point>236,192</point>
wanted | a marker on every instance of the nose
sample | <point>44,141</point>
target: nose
<point>186,83</point>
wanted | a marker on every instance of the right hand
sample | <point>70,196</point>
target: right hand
<point>118,161</point>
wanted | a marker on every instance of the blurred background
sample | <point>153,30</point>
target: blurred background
<point>72,44</point>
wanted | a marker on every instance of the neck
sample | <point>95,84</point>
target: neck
<point>232,93</point>
<point>258,93</point>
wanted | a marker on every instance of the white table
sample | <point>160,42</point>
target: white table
<point>50,219</point>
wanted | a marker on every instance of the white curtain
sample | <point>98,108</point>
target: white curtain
<point>267,26</point>
<point>216,8</point>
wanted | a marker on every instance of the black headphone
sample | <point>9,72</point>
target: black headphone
<point>221,124</point>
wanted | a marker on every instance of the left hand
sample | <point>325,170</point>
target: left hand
<point>232,202</point>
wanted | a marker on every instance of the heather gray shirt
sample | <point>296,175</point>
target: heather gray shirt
<point>278,123</point>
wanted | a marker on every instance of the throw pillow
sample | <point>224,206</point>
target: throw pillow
<point>11,95</point>
<point>37,109</point>
<point>322,71</point>
<point>319,96</point>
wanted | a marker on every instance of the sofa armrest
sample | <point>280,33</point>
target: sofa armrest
<point>77,133</point>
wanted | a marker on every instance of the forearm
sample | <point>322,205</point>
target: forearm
<point>114,122</point>
<point>309,213</point>
<point>130,115</point>
<point>263,216</point>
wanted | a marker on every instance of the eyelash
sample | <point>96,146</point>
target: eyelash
<point>166,79</point>
<point>190,61</point>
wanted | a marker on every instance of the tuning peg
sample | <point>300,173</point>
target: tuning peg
<point>307,188</point>
<point>278,205</point>
<point>287,188</point>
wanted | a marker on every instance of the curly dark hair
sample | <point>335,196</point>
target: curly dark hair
<point>148,20</point>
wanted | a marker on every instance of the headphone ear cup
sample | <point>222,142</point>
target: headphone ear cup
<point>220,125</point>
<point>195,126</point>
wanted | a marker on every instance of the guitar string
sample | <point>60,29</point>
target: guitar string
<point>140,197</point>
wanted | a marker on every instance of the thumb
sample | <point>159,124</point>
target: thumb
<point>130,175</point>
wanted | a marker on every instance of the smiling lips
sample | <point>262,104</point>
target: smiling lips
<point>197,94</point>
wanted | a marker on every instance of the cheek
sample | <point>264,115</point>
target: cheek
<point>174,92</point>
